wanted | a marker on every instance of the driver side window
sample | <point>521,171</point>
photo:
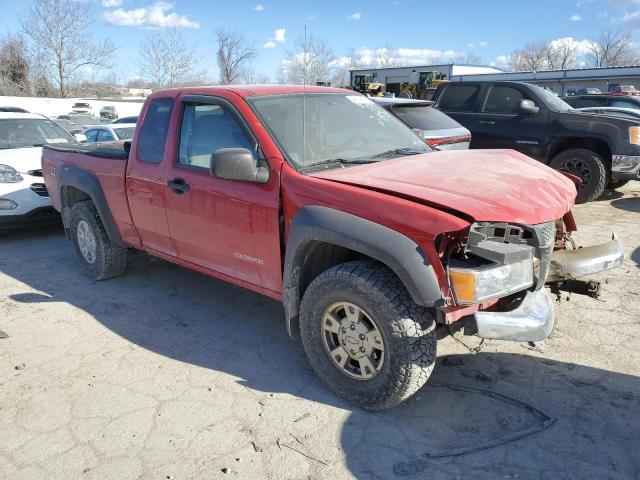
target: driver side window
<point>205,129</point>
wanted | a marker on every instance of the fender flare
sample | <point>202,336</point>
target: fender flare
<point>397,251</point>
<point>70,176</point>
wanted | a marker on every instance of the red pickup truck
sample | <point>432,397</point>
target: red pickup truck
<point>321,199</point>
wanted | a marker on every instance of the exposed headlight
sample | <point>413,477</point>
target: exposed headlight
<point>476,285</point>
<point>634,135</point>
<point>9,175</point>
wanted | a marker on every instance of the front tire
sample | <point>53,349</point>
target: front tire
<point>100,258</point>
<point>365,337</point>
<point>589,166</point>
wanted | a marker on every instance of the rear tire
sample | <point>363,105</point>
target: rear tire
<point>589,166</point>
<point>403,339</point>
<point>100,258</point>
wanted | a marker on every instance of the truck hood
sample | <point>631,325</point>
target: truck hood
<point>22,160</point>
<point>482,185</point>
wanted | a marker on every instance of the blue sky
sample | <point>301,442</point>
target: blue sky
<point>418,31</point>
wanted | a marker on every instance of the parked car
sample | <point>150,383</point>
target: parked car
<point>23,195</point>
<point>78,122</point>
<point>589,91</point>
<point>131,119</point>
<point>13,109</point>
<point>628,113</point>
<point>321,199</point>
<point>600,150</point>
<point>81,107</point>
<point>434,127</point>
<point>624,90</point>
<point>110,133</point>
<point>109,111</point>
<point>603,100</point>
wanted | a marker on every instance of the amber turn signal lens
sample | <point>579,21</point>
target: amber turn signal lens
<point>464,284</point>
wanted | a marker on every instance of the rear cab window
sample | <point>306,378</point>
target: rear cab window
<point>154,130</point>
<point>590,102</point>
<point>460,98</point>
<point>424,118</point>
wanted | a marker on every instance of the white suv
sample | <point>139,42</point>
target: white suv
<point>23,194</point>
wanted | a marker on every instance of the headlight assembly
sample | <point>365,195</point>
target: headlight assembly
<point>9,175</point>
<point>478,284</point>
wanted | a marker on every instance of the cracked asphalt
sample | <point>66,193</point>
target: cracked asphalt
<point>164,373</point>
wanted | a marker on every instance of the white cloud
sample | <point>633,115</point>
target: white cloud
<point>311,17</point>
<point>111,3</point>
<point>483,44</point>
<point>154,16</point>
<point>259,8</point>
<point>355,16</point>
<point>575,17</point>
<point>278,37</point>
<point>581,46</point>
<point>471,45</point>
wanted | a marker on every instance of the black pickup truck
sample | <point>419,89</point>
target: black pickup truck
<point>602,151</point>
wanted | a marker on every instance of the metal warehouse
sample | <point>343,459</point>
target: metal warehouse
<point>563,82</point>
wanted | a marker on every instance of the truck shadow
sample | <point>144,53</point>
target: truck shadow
<point>192,318</point>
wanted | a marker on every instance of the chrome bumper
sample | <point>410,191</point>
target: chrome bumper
<point>570,264</point>
<point>532,321</point>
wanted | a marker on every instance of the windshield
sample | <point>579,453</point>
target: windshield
<point>124,133</point>
<point>80,105</point>
<point>552,101</point>
<point>339,127</point>
<point>31,132</point>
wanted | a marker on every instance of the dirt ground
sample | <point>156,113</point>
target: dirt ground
<point>164,373</point>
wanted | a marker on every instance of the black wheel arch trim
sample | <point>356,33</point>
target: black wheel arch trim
<point>70,176</point>
<point>398,252</point>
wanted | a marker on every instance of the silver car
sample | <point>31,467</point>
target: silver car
<point>437,129</point>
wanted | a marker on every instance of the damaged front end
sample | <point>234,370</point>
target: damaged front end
<point>501,268</point>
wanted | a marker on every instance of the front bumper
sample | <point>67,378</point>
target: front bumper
<point>28,197</point>
<point>531,321</point>
<point>580,262</point>
<point>625,167</point>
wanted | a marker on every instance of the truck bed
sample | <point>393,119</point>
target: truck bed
<point>106,162</point>
<point>110,150</point>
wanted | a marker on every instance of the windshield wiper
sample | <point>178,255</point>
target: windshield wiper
<point>399,151</point>
<point>339,161</point>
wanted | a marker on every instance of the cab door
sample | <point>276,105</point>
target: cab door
<point>228,227</point>
<point>146,177</point>
<point>501,122</point>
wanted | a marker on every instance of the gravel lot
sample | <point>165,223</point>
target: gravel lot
<point>164,373</point>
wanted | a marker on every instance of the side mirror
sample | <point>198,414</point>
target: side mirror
<point>80,137</point>
<point>527,106</point>
<point>238,164</point>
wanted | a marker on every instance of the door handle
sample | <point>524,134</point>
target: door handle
<point>486,122</point>
<point>178,186</point>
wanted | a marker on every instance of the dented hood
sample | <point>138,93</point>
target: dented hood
<point>485,185</point>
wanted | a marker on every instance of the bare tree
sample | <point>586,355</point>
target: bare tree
<point>532,57</point>
<point>385,58</point>
<point>350,61</point>
<point>59,30</point>
<point>233,54</point>
<point>612,48</point>
<point>14,66</point>
<point>165,59</point>
<point>560,54</point>
<point>311,61</point>
<point>250,76</point>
